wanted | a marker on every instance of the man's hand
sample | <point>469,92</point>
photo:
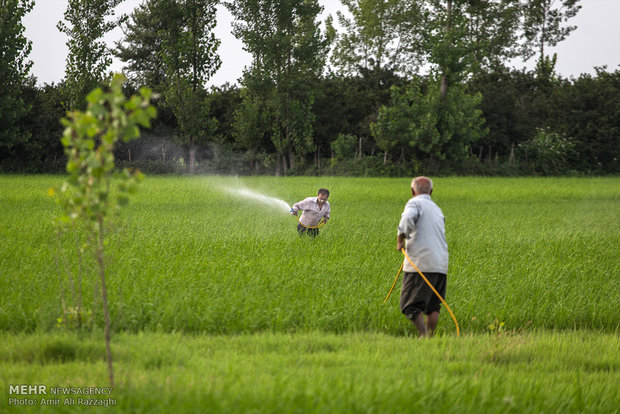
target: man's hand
<point>400,242</point>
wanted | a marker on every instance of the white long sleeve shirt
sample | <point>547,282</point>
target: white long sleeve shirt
<point>423,225</point>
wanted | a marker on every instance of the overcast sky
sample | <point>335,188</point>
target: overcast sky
<point>595,42</point>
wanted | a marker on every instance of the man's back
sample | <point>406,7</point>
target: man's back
<point>423,223</point>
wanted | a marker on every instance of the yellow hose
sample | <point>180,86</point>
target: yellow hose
<point>429,284</point>
<point>394,284</point>
<point>308,227</point>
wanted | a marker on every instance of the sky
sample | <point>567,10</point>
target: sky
<point>595,42</point>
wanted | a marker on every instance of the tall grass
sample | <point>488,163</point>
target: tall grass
<point>187,256</point>
<point>533,372</point>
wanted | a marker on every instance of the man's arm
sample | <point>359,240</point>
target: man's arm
<point>406,225</point>
<point>297,206</point>
<point>326,216</point>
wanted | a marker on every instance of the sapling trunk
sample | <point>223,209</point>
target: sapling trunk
<point>104,298</point>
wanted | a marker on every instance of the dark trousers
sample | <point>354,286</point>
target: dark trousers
<point>416,296</point>
<point>310,232</point>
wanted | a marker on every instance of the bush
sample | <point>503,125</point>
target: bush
<point>548,153</point>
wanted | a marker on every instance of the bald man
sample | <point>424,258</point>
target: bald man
<point>422,232</point>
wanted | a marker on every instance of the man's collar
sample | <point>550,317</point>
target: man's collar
<point>427,196</point>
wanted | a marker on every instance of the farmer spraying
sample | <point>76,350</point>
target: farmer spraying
<point>422,225</point>
<point>314,209</point>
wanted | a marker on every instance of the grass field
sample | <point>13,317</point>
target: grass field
<point>217,303</point>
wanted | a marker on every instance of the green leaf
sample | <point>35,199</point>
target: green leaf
<point>72,166</point>
<point>151,111</point>
<point>94,96</point>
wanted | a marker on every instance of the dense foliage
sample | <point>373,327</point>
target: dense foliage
<point>354,102</point>
<point>516,106</point>
<point>88,58</point>
<point>14,67</point>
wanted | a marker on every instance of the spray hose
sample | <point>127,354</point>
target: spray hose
<point>428,283</point>
<point>310,227</point>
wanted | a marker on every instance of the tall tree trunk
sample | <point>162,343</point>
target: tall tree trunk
<point>279,164</point>
<point>192,158</point>
<point>443,87</point>
<point>543,34</point>
<point>360,147</point>
<point>291,156</point>
<point>104,297</point>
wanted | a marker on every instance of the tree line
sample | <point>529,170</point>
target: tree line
<point>395,87</point>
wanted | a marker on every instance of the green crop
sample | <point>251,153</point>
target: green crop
<point>218,305</point>
<point>190,257</point>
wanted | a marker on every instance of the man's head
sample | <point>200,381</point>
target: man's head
<point>421,185</point>
<point>322,196</point>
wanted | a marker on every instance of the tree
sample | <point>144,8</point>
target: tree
<point>589,113</point>
<point>542,24</point>
<point>43,152</point>
<point>437,127</point>
<point>493,31</point>
<point>249,127</point>
<point>381,34</point>
<point>189,53</point>
<point>141,46</point>
<point>511,108</point>
<point>14,68</point>
<point>288,51</point>
<point>88,58</point>
<point>463,36</point>
<point>393,123</point>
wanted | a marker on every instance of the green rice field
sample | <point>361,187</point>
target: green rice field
<point>217,304</point>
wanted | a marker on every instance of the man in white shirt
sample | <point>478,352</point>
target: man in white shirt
<point>313,210</point>
<point>422,225</point>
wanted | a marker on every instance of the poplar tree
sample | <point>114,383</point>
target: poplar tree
<point>379,35</point>
<point>141,46</point>
<point>288,50</point>
<point>189,55</point>
<point>88,59</point>
<point>14,68</point>
<point>458,38</point>
<point>462,36</point>
<point>493,32</point>
<point>544,24</point>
